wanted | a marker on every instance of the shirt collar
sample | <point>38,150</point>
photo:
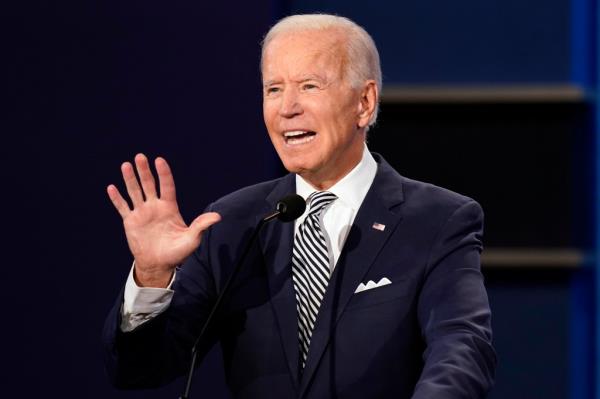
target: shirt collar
<point>352,188</point>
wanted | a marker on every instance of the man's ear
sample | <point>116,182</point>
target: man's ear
<point>369,97</point>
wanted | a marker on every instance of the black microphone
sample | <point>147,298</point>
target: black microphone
<point>288,208</point>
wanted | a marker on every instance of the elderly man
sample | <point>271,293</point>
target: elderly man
<point>375,292</point>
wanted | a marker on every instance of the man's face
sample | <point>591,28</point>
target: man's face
<point>314,118</point>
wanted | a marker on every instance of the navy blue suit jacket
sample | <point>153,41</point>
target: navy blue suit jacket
<point>426,335</point>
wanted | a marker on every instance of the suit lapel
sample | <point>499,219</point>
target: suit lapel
<point>276,240</point>
<point>359,252</point>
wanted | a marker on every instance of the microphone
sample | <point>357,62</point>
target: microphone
<point>289,208</point>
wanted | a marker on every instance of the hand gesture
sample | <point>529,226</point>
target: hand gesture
<point>157,236</point>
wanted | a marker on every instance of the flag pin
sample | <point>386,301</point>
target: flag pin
<point>379,226</point>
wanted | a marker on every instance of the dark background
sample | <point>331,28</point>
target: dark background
<point>92,83</point>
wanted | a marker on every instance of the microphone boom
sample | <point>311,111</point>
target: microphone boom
<point>289,208</point>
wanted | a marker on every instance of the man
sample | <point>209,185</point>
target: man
<point>375,292</point>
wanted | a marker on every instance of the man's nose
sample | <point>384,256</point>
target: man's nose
<point>290,104</point>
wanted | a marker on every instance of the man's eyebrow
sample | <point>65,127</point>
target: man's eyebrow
<point>311,77</point>
<point>270,82</point>
<point>301,79</point>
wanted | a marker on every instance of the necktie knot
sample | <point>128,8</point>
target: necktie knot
<point>319,200</point>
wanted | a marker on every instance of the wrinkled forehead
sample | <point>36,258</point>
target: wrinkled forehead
<point>299,52</point>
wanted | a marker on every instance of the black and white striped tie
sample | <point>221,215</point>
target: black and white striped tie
<point>310,268</point>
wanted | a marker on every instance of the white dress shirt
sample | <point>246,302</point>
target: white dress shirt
<point>338,217</point>
<point>141,304</point>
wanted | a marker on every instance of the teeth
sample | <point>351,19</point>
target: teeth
<point>300,140</point>
<point>295,133</point>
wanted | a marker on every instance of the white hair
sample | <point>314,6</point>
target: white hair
<point>362,55</point>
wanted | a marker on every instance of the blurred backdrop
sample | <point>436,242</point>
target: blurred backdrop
<point>493,99</point>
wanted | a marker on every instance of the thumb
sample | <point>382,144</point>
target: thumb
<point>204,221</point>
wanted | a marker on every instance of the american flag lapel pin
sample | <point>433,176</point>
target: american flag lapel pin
<point>379,226</point>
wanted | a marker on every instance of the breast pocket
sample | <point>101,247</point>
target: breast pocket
<point>374,296</point>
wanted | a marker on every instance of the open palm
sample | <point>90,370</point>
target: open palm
<point>157,235</point>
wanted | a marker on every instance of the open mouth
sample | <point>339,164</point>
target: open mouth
<point>299,137</point>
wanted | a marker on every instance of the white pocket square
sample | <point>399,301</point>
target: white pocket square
<point>371,284</point>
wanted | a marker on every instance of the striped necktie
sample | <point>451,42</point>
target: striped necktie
<point>310,268</point>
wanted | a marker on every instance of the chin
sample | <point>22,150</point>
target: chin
<point>299,162</point>
<point>293,167</point>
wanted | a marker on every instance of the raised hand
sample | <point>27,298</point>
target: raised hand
<point>157,236</point>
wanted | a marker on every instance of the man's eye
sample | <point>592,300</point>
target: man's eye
<point>309,86</point>
<point>273,90</point>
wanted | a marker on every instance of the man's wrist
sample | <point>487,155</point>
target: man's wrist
<point>160,279</point>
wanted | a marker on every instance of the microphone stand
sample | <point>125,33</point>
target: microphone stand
<point>280,209</point>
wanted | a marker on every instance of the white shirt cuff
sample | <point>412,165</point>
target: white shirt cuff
<point>141,304</point>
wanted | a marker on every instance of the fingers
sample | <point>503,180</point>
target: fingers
<point>204,221</point>
<point>146,177</point>
<point>131,182</point>
<point>165,179</point>
<point>148,183</point>
<point>118,201</point>
<point>148,188</point>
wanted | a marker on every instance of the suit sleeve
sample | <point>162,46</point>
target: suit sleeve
<point>159,350</point>
<point>454,313</point>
